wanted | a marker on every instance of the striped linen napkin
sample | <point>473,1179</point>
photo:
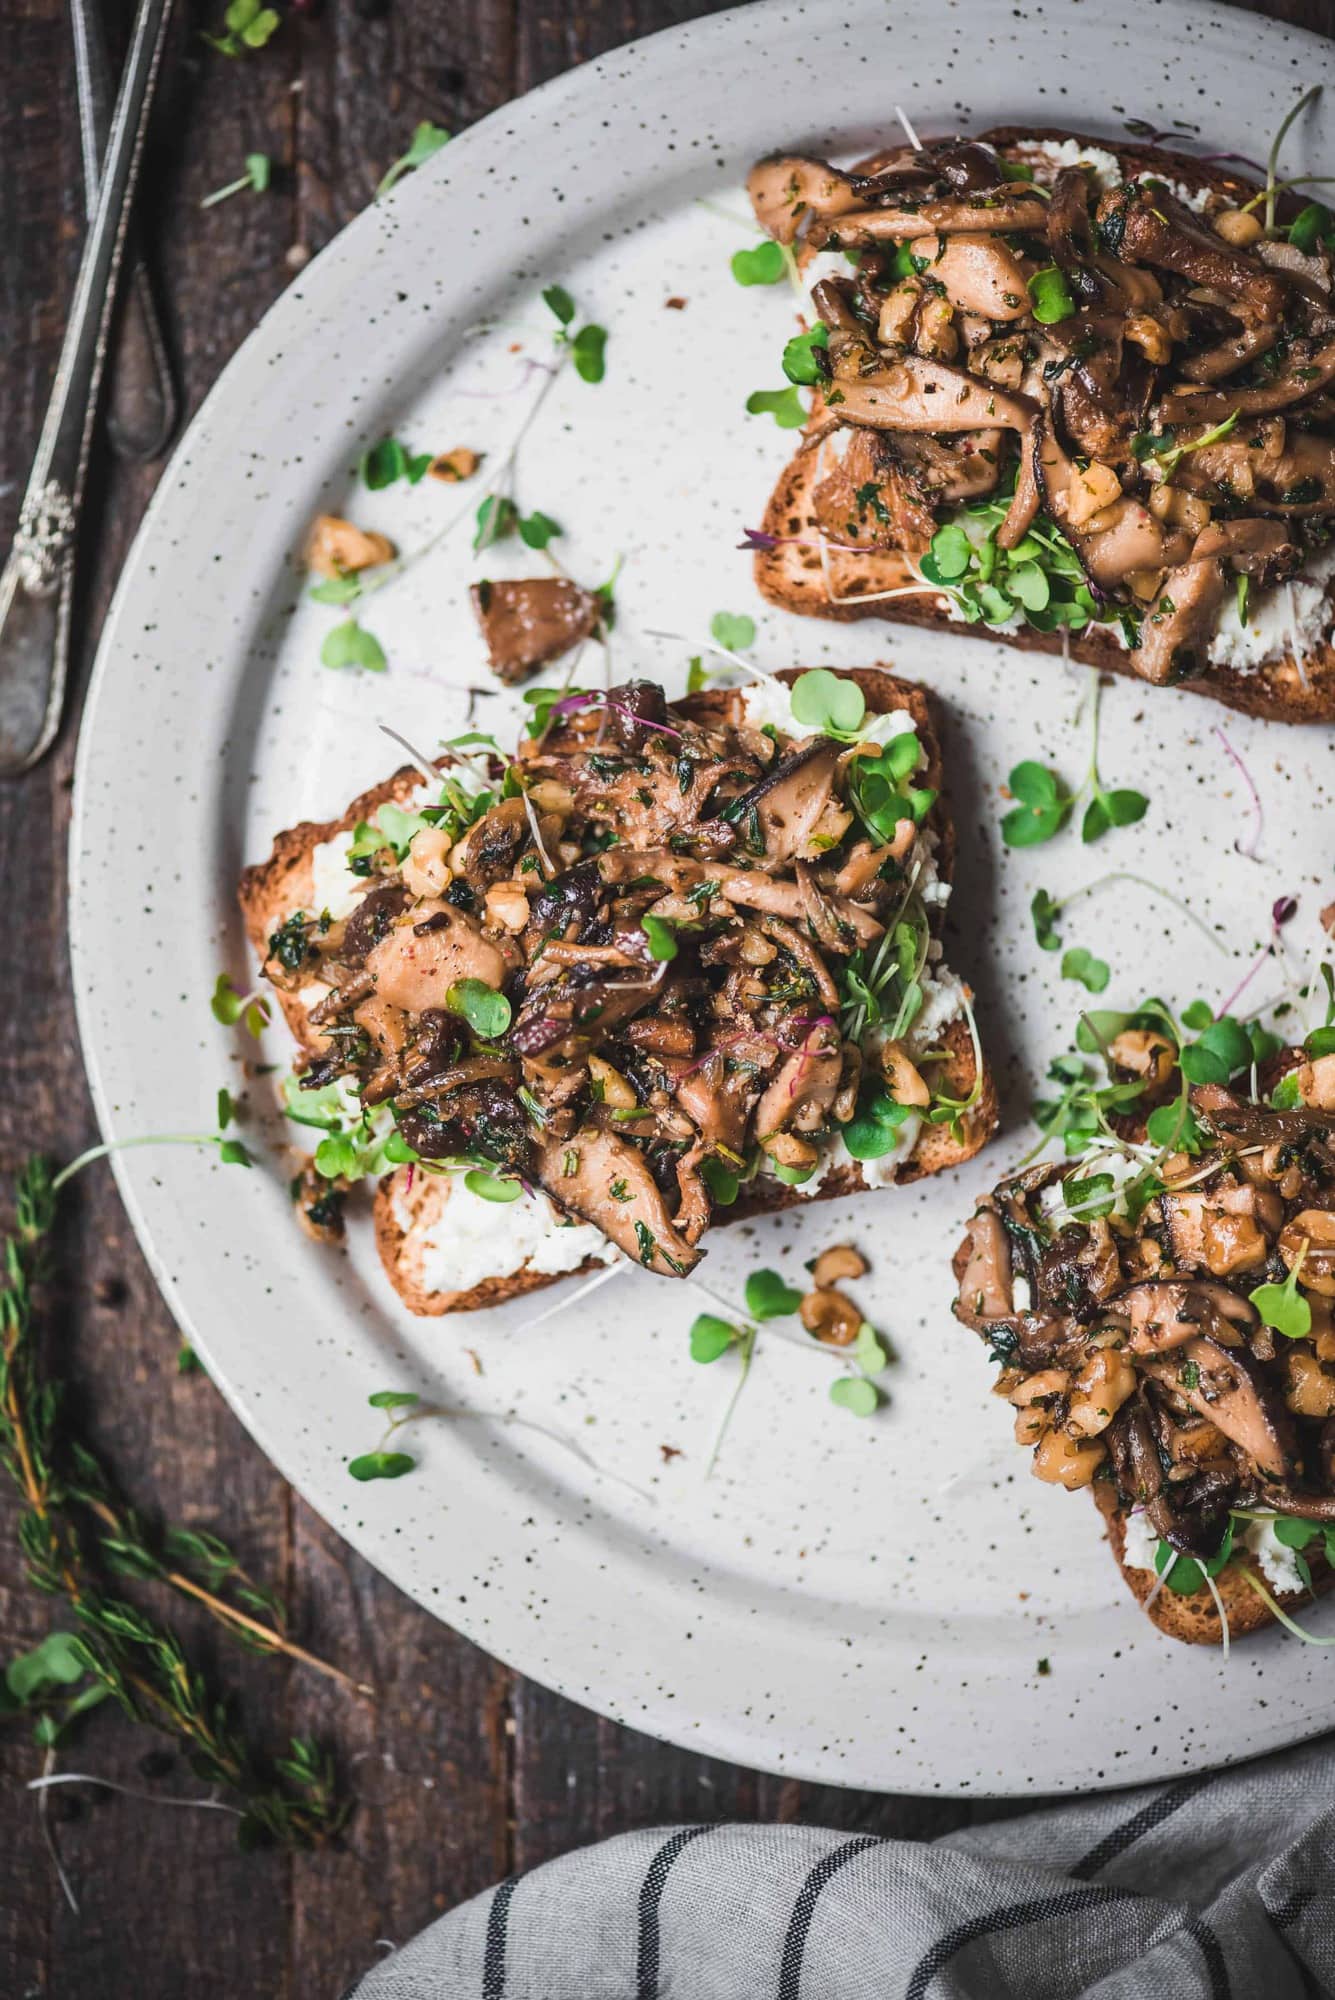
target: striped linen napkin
<point>1220,1886</point>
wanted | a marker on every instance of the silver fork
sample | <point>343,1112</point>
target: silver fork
<point>36,585</point>
<point>142,404</point>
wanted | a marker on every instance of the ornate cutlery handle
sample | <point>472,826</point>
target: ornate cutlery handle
<point>37,581</point>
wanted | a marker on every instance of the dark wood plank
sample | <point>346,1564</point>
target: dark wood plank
<point>462,1770</point>
<point>428,1760</point>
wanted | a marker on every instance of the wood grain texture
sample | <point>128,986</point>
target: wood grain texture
<point>462,1770</point>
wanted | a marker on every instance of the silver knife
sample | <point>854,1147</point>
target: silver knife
<point>36,585</point>
<point>142,404</point>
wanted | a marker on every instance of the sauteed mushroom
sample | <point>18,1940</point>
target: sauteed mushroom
<point>1151,383</point>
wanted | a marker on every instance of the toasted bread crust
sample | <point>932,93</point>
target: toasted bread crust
<point>271,890</point>
<point>1195,1618</point>
<point>792,577</point>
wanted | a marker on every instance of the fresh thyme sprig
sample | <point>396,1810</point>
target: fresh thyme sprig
<point>76,1535</point>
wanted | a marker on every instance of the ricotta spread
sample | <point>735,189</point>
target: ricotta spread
<point>1058,153</point>
<point>1276,1561</point>
<point>469,1239</point>
<point>1141,1543</point>
<point>333,886</point>
<point>1291,618</point>
<point>1278,1564</point>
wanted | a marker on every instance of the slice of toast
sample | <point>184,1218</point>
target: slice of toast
<point>410,1209</point>
<point>793,577</point>
<point>408,1214</point>
<point>1194,1617</point>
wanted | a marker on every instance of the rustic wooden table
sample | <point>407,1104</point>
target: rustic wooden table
<point>463,1770</point>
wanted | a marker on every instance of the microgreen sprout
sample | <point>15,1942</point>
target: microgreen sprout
<point>1187,1574</point>
<point>855,1394</point>
<point>45,1685</point>
<point>661,936</point>
<point>831,703</point>
<point>784,405</point>
<point>1051,296</point>
<point>1044,804</point>
<point>768,1296</point>
<point>389,461</point>
<point>486,1011</point>
<point>259,172</point>
<point>1159,449</point>
<point>228,1007</point>
<point>858,1394</point>
<point>351,645</point>
<point>1045,909</point>
<point>425,143</point>
<point>247,25</point>
<point>1040,582</point>
<point>231,1152</point>
<point>767,264</point>
<point>884,986</point>
<point>1276,146</point>
<point>1092,973</point>
<point>587,347</point>
<point>498,518</point>
<point>401,1405</point>
<point>1310,226</point>
<point>1282,1306</point>
<point>734,630</point>
<point>804,360</point>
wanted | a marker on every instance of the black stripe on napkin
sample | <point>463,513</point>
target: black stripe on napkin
<point>493,1952</point>
<point>795,1943</point>
<point>1048,1909</point>
<point>1170,1800</point>
<point>651,1897</point>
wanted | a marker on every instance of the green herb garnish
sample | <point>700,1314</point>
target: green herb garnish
<point>1283,1306</point>
<point>784,405</point>
<point>588,346</point>
<point>801,356</point>
<point>228,1007</point>
<point>486,1011</point>
<point>831,703</point>
<point>662,937</point>
<point>425,143</point>
<point>350,645</point>
<point>259,172</point>
<point>765,265</point>
<point>1051,296</point>
<point>389,461</point>
<point>247,25</point>
<point>1092,973</point>
<point>733,629</point>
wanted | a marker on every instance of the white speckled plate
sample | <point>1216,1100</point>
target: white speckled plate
<point>855,1602</point>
